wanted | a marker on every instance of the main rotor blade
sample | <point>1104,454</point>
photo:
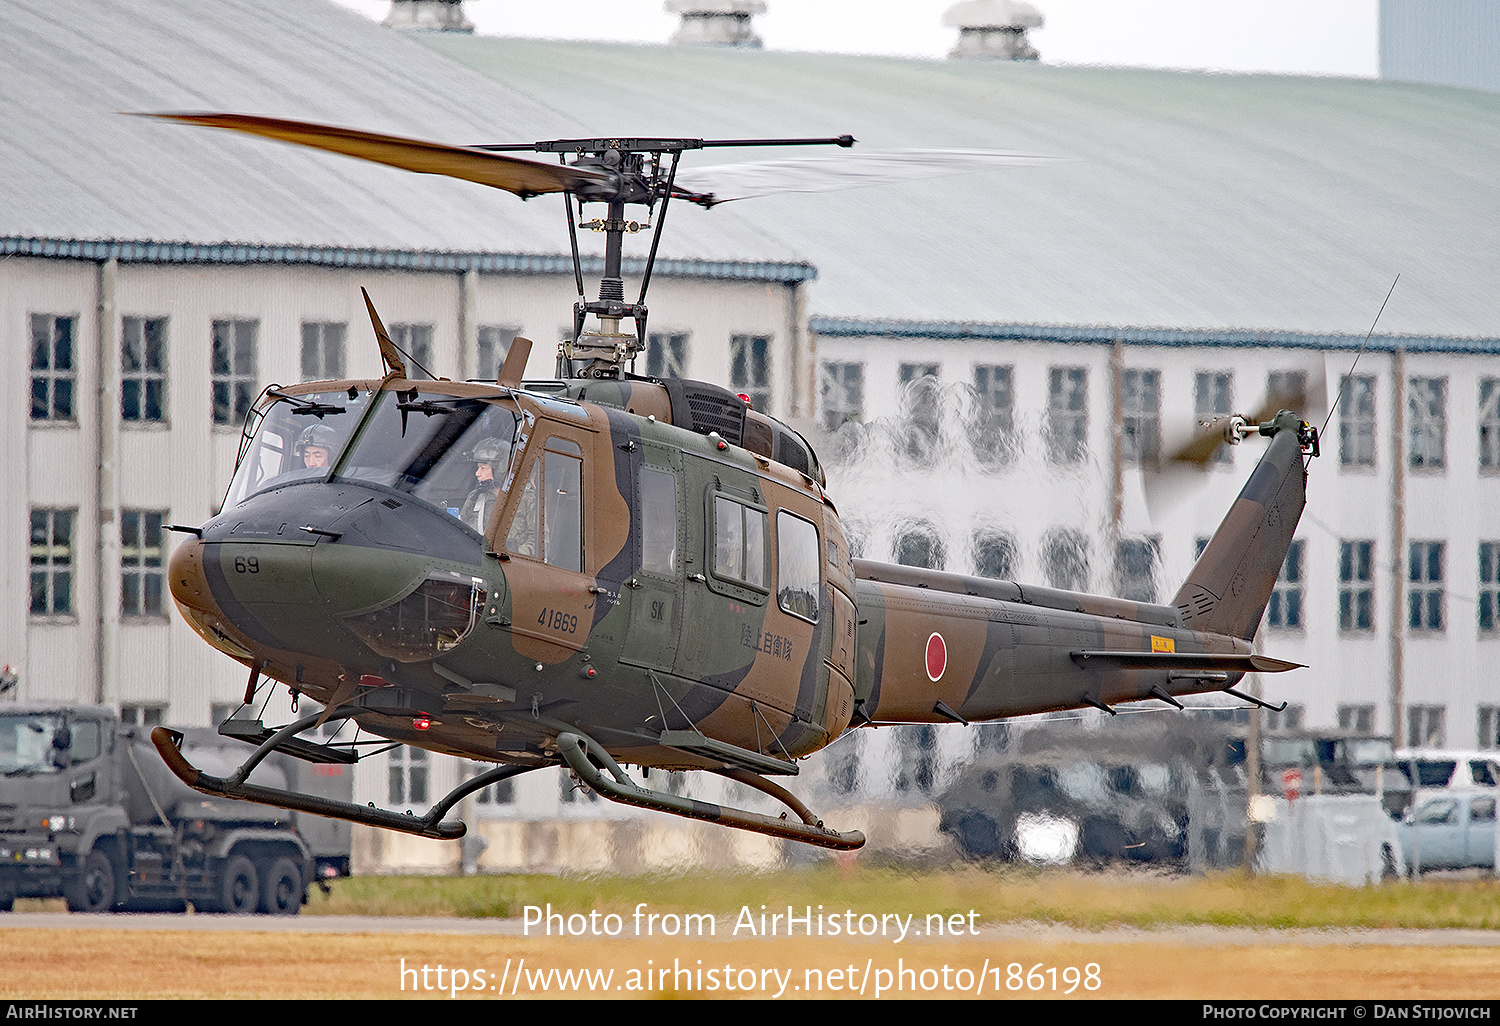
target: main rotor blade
<point>513,174</point>
<point>720,183</point>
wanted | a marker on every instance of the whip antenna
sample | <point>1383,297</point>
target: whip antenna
<point>1345,383</point>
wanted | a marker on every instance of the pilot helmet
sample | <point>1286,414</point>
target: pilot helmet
<point>488,450</point>
<point>320,436</point>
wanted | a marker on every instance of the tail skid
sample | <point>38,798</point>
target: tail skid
<point>1232,581</point>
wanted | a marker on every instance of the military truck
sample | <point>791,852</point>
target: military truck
<point>89,812</point>
<point>1164,789</point>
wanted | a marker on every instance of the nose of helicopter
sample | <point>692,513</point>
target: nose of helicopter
<point>309,591</point>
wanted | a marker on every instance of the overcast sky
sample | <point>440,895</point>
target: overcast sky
<point>1321,37</point>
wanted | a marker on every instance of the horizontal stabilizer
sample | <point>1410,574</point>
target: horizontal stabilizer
<point>1229,662</point>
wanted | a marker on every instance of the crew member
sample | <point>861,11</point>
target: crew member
<point>315,446</point>
<point>488,456</point>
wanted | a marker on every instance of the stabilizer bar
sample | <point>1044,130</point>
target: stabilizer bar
<point>168,742</point>
<point>579,752</point>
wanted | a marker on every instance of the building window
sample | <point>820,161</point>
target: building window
<point>323,351</point>
<point>415,340</point>
<point>994,414</point>
<point>1357,422</point>
<point>1489,424</point>
<point>1067,413</point>
<point>1287,390</point>
<point>666,355</point>
<point>995,556</point>
<point>407,772</point>
<point>500,793</point>
<point>920,409</point>
<point>1065,559</point>
<point>842,394</point>
<point>1424,589</point>
<point>920,545</point>
<point>1489,586</point>
<point>1358,718</point>
<point>143,370</point>
<point>53,375</point>
<point>1285,609</point>
<point>1356,586</point>
<point>1289,718</point>
<point>142,714</point>
<point>494,345</point>
<point>233,370</point>
<point>750,369</point>
<point>916,766</point>
<point>573,791</point>
<point>1489,727</point>
<point>1140,417</point>
<point>843,763</point>
<point>52,562</point>
<point>1427,417</point>
<point>1425,726</point>
<point>1136,560</point>
<point>142,574</point>
<point>1213,399</point>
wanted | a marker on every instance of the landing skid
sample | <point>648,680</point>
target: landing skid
<point>169,744</point>
<point>583,756</point>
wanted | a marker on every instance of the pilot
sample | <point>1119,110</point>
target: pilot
<point>315,446</point>
<point>488,455</point>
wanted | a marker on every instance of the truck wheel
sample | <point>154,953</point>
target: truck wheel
<point>239,891</point>
<point>281,890</point>
<point>93,889</point>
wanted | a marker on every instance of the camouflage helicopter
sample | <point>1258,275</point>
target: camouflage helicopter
<point>607,570</point>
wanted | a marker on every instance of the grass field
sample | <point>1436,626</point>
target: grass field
<point>1005,895</point>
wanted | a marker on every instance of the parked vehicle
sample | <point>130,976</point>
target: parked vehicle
<point>89,812</point>
<point>1449,829</point>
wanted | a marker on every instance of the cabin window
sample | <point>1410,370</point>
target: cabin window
<point>798,581</point>
<point>549,516</point>
<point>740,542</point>
<point>658,522</point>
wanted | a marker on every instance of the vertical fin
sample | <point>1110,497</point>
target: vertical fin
<point>1232,581</point>
<point>515,362</point>
<point>388,353</point>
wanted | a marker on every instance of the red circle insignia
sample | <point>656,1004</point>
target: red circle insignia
<point>937,656</point>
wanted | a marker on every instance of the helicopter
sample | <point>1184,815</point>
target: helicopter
<point>607,570</point>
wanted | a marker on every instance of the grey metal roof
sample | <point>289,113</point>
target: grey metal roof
<point>835,327</point>
<point>140,251</point>
<point>1193,200</point>
<point>73,168</point>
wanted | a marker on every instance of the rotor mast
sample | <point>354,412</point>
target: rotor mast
<point>635,173</point>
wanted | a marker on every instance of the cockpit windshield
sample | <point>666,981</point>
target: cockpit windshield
<point>451,453</point>
<point>298,439</point>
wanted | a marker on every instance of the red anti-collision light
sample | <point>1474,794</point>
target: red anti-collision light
<point>421,722</point>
